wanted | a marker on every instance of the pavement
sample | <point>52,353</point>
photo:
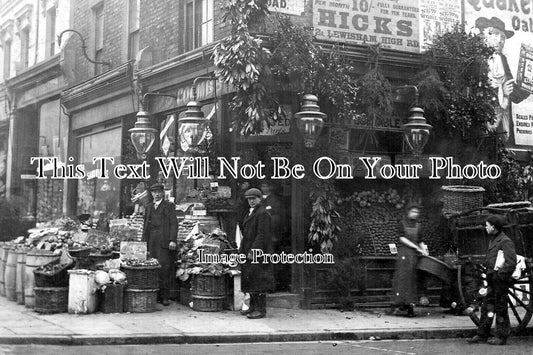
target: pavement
<point>179,324</point>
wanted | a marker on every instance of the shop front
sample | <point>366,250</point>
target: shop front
<point>99,111</point>
<point>40,129</point>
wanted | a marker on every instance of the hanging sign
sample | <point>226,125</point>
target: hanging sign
<point>288,7</point>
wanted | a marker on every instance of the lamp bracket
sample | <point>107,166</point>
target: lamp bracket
<point>194,83</point>
<point>154,93</point>
<point>83,47</point>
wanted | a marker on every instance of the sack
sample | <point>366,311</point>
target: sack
<point>520,265</point>
<point>246,302</point>
<point>500,260</point>
<point>238,236</point>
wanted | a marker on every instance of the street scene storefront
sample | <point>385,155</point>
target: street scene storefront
<point>344,114</point>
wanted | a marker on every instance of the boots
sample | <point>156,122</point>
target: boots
<point>259,306</point>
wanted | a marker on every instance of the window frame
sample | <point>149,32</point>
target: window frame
<point>51,19</point>
<point>198,23</point>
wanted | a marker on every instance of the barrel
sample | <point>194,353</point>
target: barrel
<point>4,250</point>
<point>51,299</point>
<point>21,263</point>
<point>34,259</point>
<point>11,275</point>
<point>208,292</point>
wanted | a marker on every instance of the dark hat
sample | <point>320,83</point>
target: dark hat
<point>253,193</point>
<point>483,22</point>
<point>497,221</point>
<point>157,186</point>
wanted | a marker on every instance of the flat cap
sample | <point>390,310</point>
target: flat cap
<point>253,193</point>
<point>497,221</point>
<point>157,186</point>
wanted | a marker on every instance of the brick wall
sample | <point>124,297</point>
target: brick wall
<point>115,35</point>
<point>160,28</point>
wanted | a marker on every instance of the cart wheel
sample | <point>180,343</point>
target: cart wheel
<point>471,279</point>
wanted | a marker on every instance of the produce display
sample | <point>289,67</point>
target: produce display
<point>185,227</point>
<point>218,203</point>
<point>53,268</point>
<point>372,221</point>
<point>135,262</point>
<point>188,259</point>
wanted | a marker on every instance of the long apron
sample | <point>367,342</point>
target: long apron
<point>404,282</point>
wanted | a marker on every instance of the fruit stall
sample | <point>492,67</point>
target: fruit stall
<point>69,265</point>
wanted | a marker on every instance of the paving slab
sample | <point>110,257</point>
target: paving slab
<point>180,324</point>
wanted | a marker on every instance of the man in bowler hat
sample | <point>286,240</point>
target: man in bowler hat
<point>499,280</point>
<point>257,277</point>
<point>160,232</point>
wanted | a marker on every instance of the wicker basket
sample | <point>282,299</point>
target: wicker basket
<point>58,279</point>
<point>142,277</point>
<point>140,301</point>
<point>458,198</point>
<point>51,299</point>
<point>80,253</point>
<point>111,300</point>
<point>208,292</point>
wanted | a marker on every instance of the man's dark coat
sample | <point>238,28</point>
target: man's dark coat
<point>160,228</point>
<point>256,235</point>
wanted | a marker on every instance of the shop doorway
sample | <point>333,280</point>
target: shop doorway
<point>277,201</point>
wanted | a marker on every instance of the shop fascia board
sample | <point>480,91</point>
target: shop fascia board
<point>184,67</point>
<point>103,88</point>
<point>35,75</point>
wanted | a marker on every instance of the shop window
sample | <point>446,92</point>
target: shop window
<point>133,31</point>
<point>7,59</point>
<point>98,35</point>
<point>50,32</point>
<point>198,23</point>
<point>97,194</point>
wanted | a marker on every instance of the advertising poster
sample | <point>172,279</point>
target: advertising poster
<point>404,25</point>
<point>508,27</point>
<point>392,24</point>
<point>436,18</point>
<point>287,7</point>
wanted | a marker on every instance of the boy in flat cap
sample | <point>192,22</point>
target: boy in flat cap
<point>160,232</point>
<point>499,280</point>
<point>257,278</point>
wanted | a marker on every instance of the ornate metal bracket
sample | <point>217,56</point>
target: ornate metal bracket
<point>83,47</point>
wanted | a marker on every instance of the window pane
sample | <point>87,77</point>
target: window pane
<point>197,23</point>
<point>50,32</point>
<point>189,26</point>
<point>207,22</point>
<point>96,195</point>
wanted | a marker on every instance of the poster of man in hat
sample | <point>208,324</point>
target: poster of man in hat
<point>512,103</point>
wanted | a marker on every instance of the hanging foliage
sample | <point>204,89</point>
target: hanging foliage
<point>454,89</point>
<point>240,60</point>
